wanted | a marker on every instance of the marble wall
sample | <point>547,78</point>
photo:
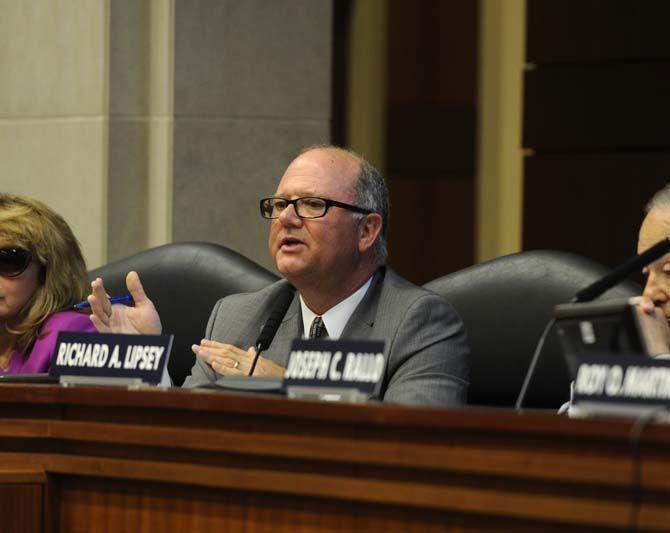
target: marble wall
<point>161,120</point>
<point>53,111</point>
<point>252,86</point>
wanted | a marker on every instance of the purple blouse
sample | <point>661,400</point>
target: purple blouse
<point>39,358</point>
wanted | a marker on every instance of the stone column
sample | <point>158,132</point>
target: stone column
<point>144,122</point>
<point>252,86</point>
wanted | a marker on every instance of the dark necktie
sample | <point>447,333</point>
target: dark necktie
<point>318,329</point>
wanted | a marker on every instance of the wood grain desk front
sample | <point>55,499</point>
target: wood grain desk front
<point>102,459</point>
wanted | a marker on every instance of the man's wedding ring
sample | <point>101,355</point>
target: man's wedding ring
<point>237,363</point>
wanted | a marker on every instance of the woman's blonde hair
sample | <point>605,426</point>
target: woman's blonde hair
<point>27,223</point>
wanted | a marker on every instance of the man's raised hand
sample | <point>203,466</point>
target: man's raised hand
<point>107,318</point>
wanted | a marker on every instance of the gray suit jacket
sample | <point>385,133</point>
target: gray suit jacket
<point>426,346</point>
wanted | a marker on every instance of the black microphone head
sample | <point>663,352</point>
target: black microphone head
<point>284,299</point>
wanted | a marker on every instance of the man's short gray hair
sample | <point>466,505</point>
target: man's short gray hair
<point>371,193</point>
<point>660,200</point>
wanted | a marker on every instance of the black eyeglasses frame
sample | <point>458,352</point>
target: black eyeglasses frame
<point>329,203</point>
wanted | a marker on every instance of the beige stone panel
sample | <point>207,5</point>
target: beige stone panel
<point>140,110</point>
<point>160,182</point>
<point>222,168</point>
<point>62,163</point>
<point>127,187</point>
<point>53,57</point>
<point>129,57</point>
<point>253,58</point>
<point>140,185</point>
<point>141,57</point>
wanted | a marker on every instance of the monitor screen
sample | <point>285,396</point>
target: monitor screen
<point>609,326</point>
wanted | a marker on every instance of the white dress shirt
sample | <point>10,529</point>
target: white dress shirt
<point>336,317</point>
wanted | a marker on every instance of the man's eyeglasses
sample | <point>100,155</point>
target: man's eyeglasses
<point>14,261</point>
<point>305,207</point>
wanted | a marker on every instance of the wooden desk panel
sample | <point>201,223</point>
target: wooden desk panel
<point>22,499</point>
<point>115,460</point>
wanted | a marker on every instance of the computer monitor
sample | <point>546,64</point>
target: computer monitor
<point>609,327</point>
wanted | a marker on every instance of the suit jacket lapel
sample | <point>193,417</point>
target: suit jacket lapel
<point>359,325</point>
<point>289,329</point>
<point>361,321</point>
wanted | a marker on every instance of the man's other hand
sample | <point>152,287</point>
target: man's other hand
<point>229,360</point>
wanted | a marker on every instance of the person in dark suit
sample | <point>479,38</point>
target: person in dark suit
<point>329,219</point>
<point>656,294</point>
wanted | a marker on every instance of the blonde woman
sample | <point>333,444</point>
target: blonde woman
<point>42,275</point>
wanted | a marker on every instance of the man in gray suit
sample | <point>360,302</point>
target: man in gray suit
<point>327,237</point>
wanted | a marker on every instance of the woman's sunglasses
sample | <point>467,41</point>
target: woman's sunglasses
<point>14,261</point>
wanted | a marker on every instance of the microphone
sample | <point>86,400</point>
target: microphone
<point>271,326</point>
<point>622,272</point>
<point>590,293</point>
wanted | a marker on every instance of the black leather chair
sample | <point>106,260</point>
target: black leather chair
<point>185,280</point>
<point>505,304</point>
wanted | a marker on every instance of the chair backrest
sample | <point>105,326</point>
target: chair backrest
<point>505,304</point>
<point>185,280</point>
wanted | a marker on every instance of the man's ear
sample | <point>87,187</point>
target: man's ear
<point>368,229</point>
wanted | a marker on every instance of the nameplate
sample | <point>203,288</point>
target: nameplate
<point>106,357</point>
<point>622,384</point>
<point>335,365</point>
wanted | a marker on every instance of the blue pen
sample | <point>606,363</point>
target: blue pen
<point>126,298</point>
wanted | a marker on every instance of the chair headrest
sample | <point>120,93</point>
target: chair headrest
<point>505,304</point>
<point>184,280</point>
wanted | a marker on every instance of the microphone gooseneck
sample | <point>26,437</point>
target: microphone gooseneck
<point>622,272</point>
<point>281,305</point>
<point>590,293</point>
